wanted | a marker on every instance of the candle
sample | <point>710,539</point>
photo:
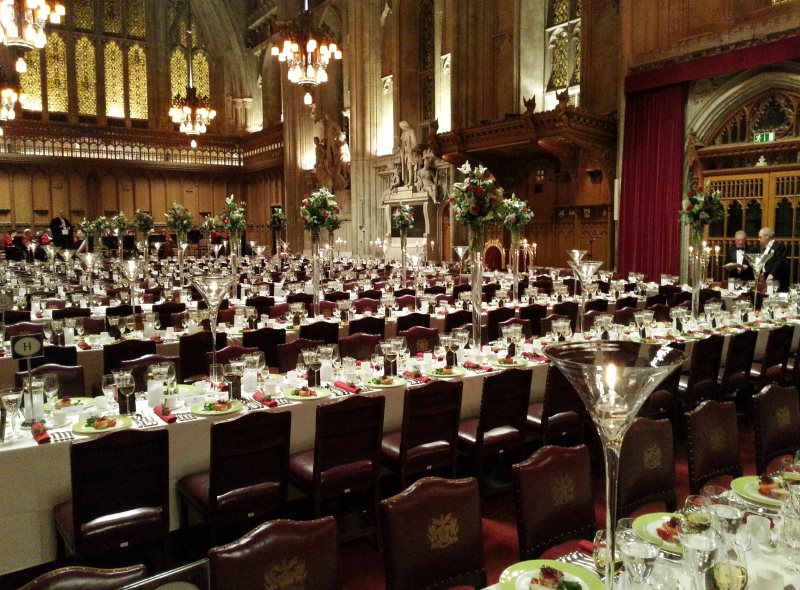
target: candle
<point>611,383</point>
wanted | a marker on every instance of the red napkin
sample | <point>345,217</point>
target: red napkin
<point>157,339</point>
<point>533,357</point>
<point>164,414</point>
<point>264,400</point>
<point>586,547</point>
<point>471,365</point>
<point>39,433</point>
<point>347,387</point>
<point>412,375</point>
<point>84,346</point>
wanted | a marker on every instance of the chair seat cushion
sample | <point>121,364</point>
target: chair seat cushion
<point>194,489</point>
<point>241,503</point>
<point>560,550</point>
<point>113,531</point>
<point>495,440</point>
<point>340,479</point>
<point>535,416</point>
<point>422,457</point>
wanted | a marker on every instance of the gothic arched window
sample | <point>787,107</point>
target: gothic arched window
<point>563,36</point>
<point>179,55</point>
<point>86,76</point>
<point>559,60</point>
<point>427,61</point>
<point>56,60</point>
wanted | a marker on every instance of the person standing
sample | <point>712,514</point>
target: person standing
<point>736,264</point>
<point>777,266</point>
<point>61,229</point>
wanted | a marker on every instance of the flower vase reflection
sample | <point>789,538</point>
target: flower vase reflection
<point>613,379</point>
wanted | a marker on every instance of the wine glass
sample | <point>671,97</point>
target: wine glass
<point>79,327</point>
<point>695,512</point>
<point>47,328</point>
<point>11,399</point>
<point>639,557</point>
<point>50,384</point>
<point>215,376</point>
<point>109,386</point>
<point>613,378</point>
<point>130,323</point>
<point>125,386</point>
<point>699,553</point>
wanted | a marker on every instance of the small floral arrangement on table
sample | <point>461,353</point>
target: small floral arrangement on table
<point>142,222</point>
<point>315,210</point>
<point>278,220</point>
<point>701,207</point>
<point>477,201</point>
<point>209,224</point>
<point>232,217</point>
<point>179,220</point>
<point>403,218</point>
<point>515,215</point>
<point>333,223</point>
<point>120,223</point>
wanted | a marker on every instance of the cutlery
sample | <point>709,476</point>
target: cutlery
<point>185,416</point>
<point>252,404</point>
<point>145,421</point>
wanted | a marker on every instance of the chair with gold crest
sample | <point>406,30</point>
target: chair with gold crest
<point>494,255</point>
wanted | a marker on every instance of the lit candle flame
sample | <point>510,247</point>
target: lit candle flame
<point>611,382</point>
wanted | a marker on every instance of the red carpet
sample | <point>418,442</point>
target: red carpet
<point>362,566</point>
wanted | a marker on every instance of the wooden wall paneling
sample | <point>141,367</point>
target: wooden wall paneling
<point>220,192</point>
<point>141,193</point>
<point>158,198</point>
<point>59,194</point>
<point>205,200</point>
<point>126,197</point>
<point>41,199</point>
<point>108,194</point>
<point>78,198</point>
<point>189,195</point>
<point>5,197</point>
<point>174,191</point>
<point>22,213</point>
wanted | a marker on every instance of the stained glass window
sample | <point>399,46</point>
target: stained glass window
<point>200,74</point>
<point>83,11</point>
<point>86,76</point>
<point>427,59</point>
<point>559,11</point>
<point>576,47</point>
<point>56,56</point>
<point>178,72</point>
<point>115,90</point>
<point>31,83</point>
<point>136,18</point>
<point>577,10</point>
<point>112,16</point>
<point>560,61</point>
<point>137,81</point>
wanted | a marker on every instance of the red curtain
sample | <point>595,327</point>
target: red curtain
<point>652,182</point>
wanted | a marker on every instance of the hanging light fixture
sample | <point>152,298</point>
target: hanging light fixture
<point>22,23</point>
<point>307,52</point>
<point>192,113</point>
<point>9,95</point>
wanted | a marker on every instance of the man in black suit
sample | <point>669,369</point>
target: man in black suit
<point>61,229</point>
<point>777,267</point>
<point>736,264</point>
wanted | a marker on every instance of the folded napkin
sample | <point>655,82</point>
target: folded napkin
<point>586,547</point>
<point>264,399</point>
<point>84,346</point>
<point>535,357</point>
<point>476,366</point>
<point>415,376</point>
<point>39,433</point>
<point>157,339</point>
<point>343,385</point>
<point>164,414</point>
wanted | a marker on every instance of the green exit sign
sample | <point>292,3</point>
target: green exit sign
<point>764,137</point>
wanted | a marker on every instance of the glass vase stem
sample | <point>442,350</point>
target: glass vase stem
<point>611,452</point>
<point>476,268</point>
<point>403,245</point>
<point>212,320</point>
<point>515,267</point>
<point>315,268</point>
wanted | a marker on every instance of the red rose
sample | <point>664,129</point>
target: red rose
<point>479,191</point>
<point>474,210</point>
<point>324,213</point>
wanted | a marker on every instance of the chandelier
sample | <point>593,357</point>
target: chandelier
<point>9,94</point>
<point>22,23</point>
<point>192,113</point>
<point>307,52</point>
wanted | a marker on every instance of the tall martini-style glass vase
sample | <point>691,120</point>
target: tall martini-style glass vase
<point>213,289</point>
<point>584,270</point>
<point>695,266</point>
<point>515,265</point>
<point>758,261</point>
<point>476,237</point>
<point>403,258</point>
<point>131,269</point>
<point>315,254</point>
<point>614,379</point>
<point>236,250</point>
<point>461,251</point>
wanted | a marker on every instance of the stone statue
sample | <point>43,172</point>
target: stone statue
<point>322,166</point>
<point>408,141</point>
<point>426,176</point>
<point>397,178</point>
<point>530,104</point>
<point>343,160</point>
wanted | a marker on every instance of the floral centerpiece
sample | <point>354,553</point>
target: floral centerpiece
<point>179,220</point>
<point>142,222</point>
<point>477,202</point>
<point>93,227</point>
<point>120,223</point>
<point>316,212</point>
<point>233,218</point>
<point>209,224</point>
<point>515,215</point>
<point>403,220</point>
<point>278,221</point>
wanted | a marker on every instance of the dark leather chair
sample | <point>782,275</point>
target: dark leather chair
<point>140,365</point>
<point>278,310</point>
<point>306,299</point>
<point>77,577</point>
<point>70,379</point>
<point>190,576</point>
<point>94,325</point>
<point>192,349</point>
<point>57,355</point>
<point>428,437</point>
<point>559,418</point>
<point>374,294</point>
<point>568,309</point>
<point>287,353</point>
<point>248,474</point>
<point>456,319</point>
<point>712,445</point>
<point>546,323</point>
<point>326,309</point>
<point>20,328</point>
<point>660,312</point>
<point>461,288</point>
<point>624,316</point>
<point>262,303</point>
<point>267,341</point>
<point>120,311</point>
<point>448,299</point>
<point>114,354</point>
<point>435,290</point>
<point>527,331</point>
<point>71,312</point>
<point>368,325</point>
<point>408,321</point>
<point>358,346</point>
<point>734,379</point>
<point>120,494</point>
<point>14,316</point>
<point>494,317</point>
<point>657,299</point>
<point>553,495</point>
<point>230,353</point>
<point>627,302</point>
<point>165,311</point>
<point>328,332</point>
<point>772,367</point>
<point>708,295</point>
<point>403,297</point>
<point>534,313</point>
<point>668,292</point>
<point>600,305</point>
<point>776,417</point>
<point>346,454</point>
<point>647,469</point>
<point>500,426</point>
<point>363,304</point>
<point>303,552</point>
<point>336,296</point>
<point>432,536</point>
<point>420,339</point>
<point>701,381</point>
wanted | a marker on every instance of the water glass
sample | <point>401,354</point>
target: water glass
<point>699,553</point>
<point>639,557</point>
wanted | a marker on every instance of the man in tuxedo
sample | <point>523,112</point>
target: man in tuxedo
<point>61,229</point>
<point>736,265</point>
<point>777,267</point>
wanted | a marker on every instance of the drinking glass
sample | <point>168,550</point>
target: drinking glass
<point>600,553</point>
<point>215,376</point>
<point>639,557</point>
<point>11,399</point>
<point>130,323</point>
<point>79,328</point>
<point>47,328</point>
<point>699,553</point>
<point>715,494</point>
<point>109,386</point>
<point>126,386</point>
<point>50,384</point>
<point>662,578</point>
<point>695,512</point>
